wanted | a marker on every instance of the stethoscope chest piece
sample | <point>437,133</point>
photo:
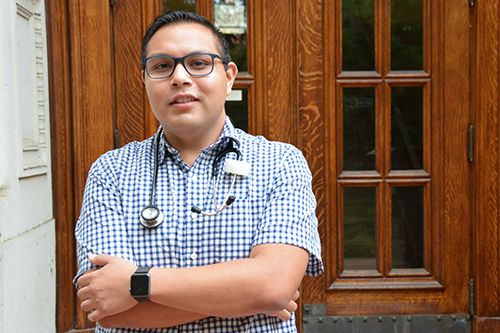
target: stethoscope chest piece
<point>151,216</point>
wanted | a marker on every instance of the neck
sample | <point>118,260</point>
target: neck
<point>190,145</point>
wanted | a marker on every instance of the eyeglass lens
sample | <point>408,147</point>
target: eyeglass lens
<point>195,64</point>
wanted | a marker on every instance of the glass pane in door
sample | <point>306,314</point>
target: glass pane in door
<point>230,16</point>
<point>406,128</point>
<point>360,228</point>
<point>358,35</point>
<point>408,227</point>
<point>237,108</point>
<point>359,128</point>
<point>407,35</point>
<point>187,5</point>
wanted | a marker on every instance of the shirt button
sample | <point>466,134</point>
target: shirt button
<point>194,178</point>
<point>193,256</point>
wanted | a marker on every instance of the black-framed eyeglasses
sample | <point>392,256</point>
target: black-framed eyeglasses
<point>196,64</point>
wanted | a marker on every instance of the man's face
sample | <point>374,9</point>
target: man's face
<point>187,105</point>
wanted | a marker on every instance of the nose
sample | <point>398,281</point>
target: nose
<point>180,76</point>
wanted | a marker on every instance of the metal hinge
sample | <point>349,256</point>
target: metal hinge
<point>117,138</point>
<point>112,2</point>
<point>472,3</point>
<point>471,297</point>
<point>470,144</point>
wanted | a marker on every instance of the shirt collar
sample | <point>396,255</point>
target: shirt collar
<point>228,132</point>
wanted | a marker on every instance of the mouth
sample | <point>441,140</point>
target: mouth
<point>184,100</point>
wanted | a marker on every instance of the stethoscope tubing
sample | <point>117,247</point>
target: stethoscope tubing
<point>156,216</point>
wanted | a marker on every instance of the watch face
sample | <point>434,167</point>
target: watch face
<point>139,285</point>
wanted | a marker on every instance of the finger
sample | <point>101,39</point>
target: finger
<point>284,315</point>
<point>90,271</point>
<point>85,278</point>
<point>99,260</point>
<point>82,294</point>
<point>296,295</point>
<point>83,281</point>
<point>95,315</point>
<point>291,307</point>
<point>87,305</point>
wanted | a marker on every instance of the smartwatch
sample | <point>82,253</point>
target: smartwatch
<point>140,283</point>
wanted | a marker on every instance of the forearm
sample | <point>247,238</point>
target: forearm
<point>264,282</point>
<point>150,315</point>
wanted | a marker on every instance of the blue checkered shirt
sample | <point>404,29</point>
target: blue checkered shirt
<point>274,204</point>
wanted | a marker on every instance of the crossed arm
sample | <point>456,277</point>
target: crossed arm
<point>266,282</point>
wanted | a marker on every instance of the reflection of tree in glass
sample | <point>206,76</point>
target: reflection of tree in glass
<point>187,5</point>
<point>360,222</point>
<point>407,34</point>
<point>238,50</point>
<point>358,35</point>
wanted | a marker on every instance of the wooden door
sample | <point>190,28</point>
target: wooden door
<point>98,101</point>
<point>386,139</point>
<point>396,200</point>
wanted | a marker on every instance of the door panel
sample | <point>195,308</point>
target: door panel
<point>133,117</point>
<point>398,213</point>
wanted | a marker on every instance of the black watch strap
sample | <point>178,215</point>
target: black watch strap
<point>144,269</point>
<point>140,283</point>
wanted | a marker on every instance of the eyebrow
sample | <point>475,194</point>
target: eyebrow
<point>167,55</point>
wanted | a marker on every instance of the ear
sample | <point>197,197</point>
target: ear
<point>232,71</point>
<point>143,76</point>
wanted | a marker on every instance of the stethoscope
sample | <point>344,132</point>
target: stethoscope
<point>151,216</point>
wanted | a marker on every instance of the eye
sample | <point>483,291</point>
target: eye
<point>159,65</point>
<point>162,65</point>
<point>199,62</point>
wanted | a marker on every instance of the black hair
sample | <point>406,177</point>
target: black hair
<point>180,16</point>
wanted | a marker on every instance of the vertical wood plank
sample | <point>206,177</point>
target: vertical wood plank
<point>281,69</point>
<point>486,165</point>
<point>129,103</point>
<point>60,105</point>
<point>456,112</point>
<point>150,10</point>
<point>258,60</point>
<point>81,112</point>
<point>92,95</point>
<point>310,49</point>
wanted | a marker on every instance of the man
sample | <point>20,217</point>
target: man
<point>235,271</point>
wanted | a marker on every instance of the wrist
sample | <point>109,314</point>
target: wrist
<point>153,289</point>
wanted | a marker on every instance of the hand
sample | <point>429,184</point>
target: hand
<point>286,313</point>
<point>105,291</point>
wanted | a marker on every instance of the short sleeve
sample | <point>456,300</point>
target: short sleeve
<point>289,216</point>
<point>100,228</point>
